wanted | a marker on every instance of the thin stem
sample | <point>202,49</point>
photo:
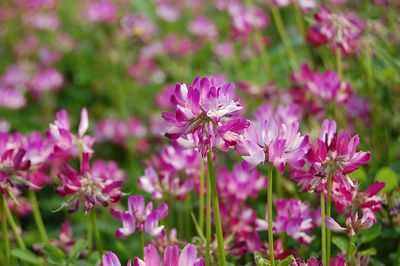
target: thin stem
<point>284,37</point>
<point>141,236</point>
<point>328,213</point>
<point>338,55</point>
<point>201,204</point>
<point>323,228</point>
<point>96,231</point>
<point>13,225</point>
<point>38,217</point>
<point>369,65</point>
<point>208,221</point>
<point>269,202</point>
<point>350,251</point>
<point>89,234</point>
<point>217,215</point>
<point>188,225</point>
<point>302,28</point>
<point>5,229</point>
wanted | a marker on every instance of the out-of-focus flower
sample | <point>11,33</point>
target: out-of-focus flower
<point>224,50</point>
<point>246,20</point>
<point>139,26</point>
<point>203,28</point>
<point>11,98</point>
<point>325,85</point>
<point>208,110</point>
<point>15,77</point>
<point>141,218</point>
<point>145,71</point>
<point>64,241</point>
<point>305,5</point>
<point>239,184</point>
<point>293,217</point>
<point>178,46</point>
<point>358,108</point>
<point>338,30</point>
<point>47,80</point>
<point>119,131</point>
<point>267,141</point>
<point>20,206</point>
<point>42,21</point>
<point>100,185</point>
<point>334,153</point>
<point>283,113</point>
<point>100,11</point>
<point>353,223</point>
<point>188,257</point>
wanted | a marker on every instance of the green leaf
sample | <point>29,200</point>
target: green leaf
<point>359,174</point>
<point>367,252</point>
<point>389,177</point>
<point>260,261</point>
<point>341,243</point>
<point>27,256</point>
<point>286,262</point>
<point>370,234</point>
<point>77,250</point>
<point>54,252</point>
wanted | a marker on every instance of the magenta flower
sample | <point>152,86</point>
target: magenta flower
<point>293,217</point>
<point>266,141</point>
<point>338,30</point>
<point>334,153</point>
<point>15,76</point>
<point>140,218</point>
<point>100,185</point>
<point>239,184</point>
<point>325,85</point>
<point>188,257</point>
<point>42,21</point>
<point>100,11</point>
<point>353,223</point>
<point>67,143</point>
<point>305,5</point>
<point>207,110</point>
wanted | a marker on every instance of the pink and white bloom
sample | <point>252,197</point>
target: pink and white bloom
<point>100,11</point>
<point>353,223</point>
<point>203,28</point>
<point>140,217</point>
<point>100,185</point>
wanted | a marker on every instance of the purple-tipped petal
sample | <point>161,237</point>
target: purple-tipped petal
<point>110,259</point>
<point>188,256</point>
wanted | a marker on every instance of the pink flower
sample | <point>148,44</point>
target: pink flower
<point>325,85</point>
<point>224,50</point>
<point>140,218</point>
<point>239,184</point>
<point>266,141</point>
<point>293,217</point>
<point>65,142</point>
<point>207,110</point>
<point>47,80</point>
<point>138,25</point>
<point>338,30</point>
<point>246,20</point>
<point>334,152</point>
<point>353,223</point>
<point>11,98</point>
<point>100,11</point>
<point>15,77</point>
<point>100,185</point>
<point>42,21</point>
<point>203,28</point>
<point>119,131</point>
<point>305,5</point>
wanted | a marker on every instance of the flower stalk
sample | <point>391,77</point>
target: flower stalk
<point>215,202</point>
<point>96,232</point>
<point>269,202</point>
<point>4,227</point>
<point>208,222</point>
<point>323,228</point>
<point>13,225</point>
<point>328,213</point>
<point>38,217</point>
<point>201,203</point>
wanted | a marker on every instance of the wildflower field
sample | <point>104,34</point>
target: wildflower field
<point>199,132</point>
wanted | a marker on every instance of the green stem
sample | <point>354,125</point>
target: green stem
<point>208,221</point>
<point>5,229</point>
<point>269,202</point>
<point>328,213</point>
<point>38,217</point>
<point>141,236</point>
<point>13,225</point>
<point>369,66</point>
<point>350,252</point>
<point>96,231</point>
<point>89,234</point>
<point>201,204</point>
<point>188,225</point>
<point>338,55</point>
<point>284,37</point>
<point>217,215</point>
<point>323,228</point>
<point>302,29</point>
